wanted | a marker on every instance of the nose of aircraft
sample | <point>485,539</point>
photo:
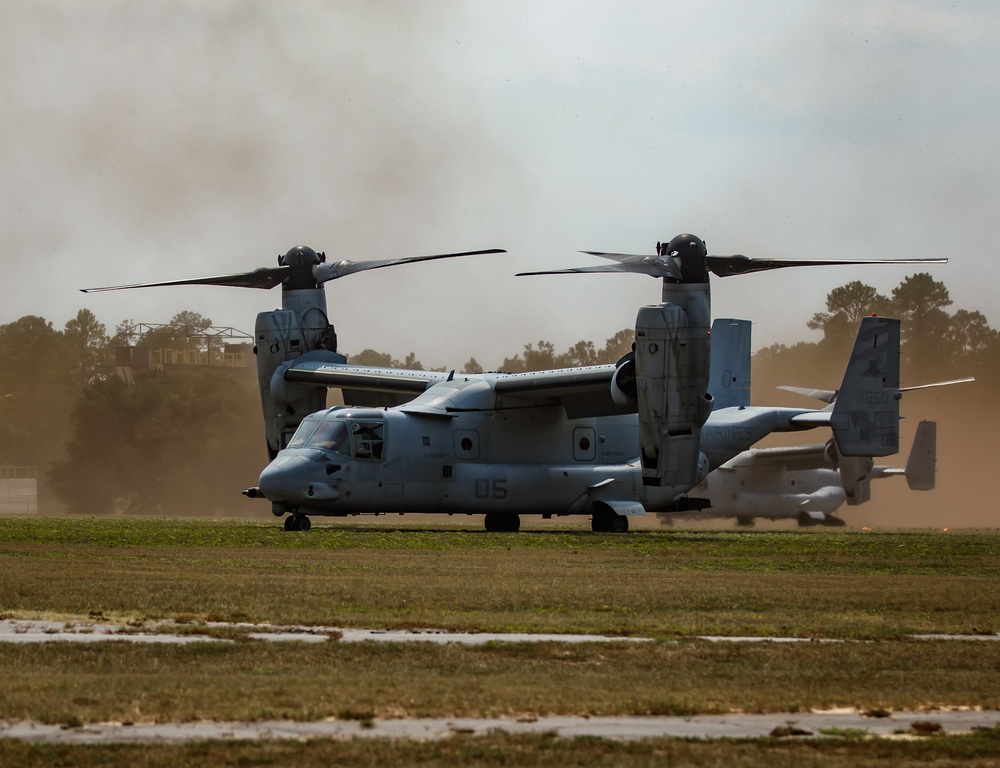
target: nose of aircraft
<point>292,477</point>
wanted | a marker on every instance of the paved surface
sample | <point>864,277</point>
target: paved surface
<point>48,631</point>
<point>44,631</point>
<point>798,725</point>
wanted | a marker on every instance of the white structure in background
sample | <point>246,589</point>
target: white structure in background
<point>18,490</point>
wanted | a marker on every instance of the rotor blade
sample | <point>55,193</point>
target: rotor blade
<point>325,272</point>
<point>622,258</point>
<point>655,266</point>
<point>601,268</point>
<point>264,277</point>
<point>738,264</point>
<point>966,380</point>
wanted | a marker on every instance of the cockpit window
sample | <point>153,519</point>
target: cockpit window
<point>331,435</point>
<point>328,434</point>
<point>368,439</point>
<point>303,433</point>
<point>336,435</point>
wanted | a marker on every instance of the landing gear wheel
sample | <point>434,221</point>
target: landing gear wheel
<point>497,522</point>
<point>744,522</point>
<point>297,522</point>
<point>606,521</point>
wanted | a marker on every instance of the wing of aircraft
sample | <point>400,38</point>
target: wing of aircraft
<point>582,391</point>
<point>790,458</point>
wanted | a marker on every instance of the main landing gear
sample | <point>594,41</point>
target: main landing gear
<point>297,522</point>
<point>498,522</point>
<point>606,521</point>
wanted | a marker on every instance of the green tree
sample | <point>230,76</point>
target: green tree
<point>373,358</point>
<point>541,359</point>
<point>37,391</point>
<point>970,340</point>
<point>171,442</point>
<point>581,353</point>
<point>87,341</point>
<point>617,346</point>
<point>845,306</point>
<point>410,362</point>
<point>919,302</point>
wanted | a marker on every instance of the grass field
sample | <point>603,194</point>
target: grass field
<point>871,589</point>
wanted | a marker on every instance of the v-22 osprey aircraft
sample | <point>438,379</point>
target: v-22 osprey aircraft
<point>606,441</point>
<point>805,483</point>
<point>547,443</point>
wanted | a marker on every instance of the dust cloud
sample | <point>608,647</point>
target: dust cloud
<point>966,492</point>
<point>150,142</point>
<point>965,495</point>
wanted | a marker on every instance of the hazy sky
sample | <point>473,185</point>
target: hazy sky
<point>154,141</point>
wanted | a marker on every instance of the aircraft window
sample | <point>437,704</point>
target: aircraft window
<point>302,434</point>
<point>331,435</point>
<point>368,440</point>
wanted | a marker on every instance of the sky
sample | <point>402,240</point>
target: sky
<point>157,141</point>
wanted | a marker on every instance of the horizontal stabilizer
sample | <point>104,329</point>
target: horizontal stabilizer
<point>921,465</point>
<point>826,395</point>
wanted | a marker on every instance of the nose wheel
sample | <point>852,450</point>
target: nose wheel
<point>297,522</point>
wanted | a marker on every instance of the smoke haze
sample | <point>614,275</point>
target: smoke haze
<point>156,141</point>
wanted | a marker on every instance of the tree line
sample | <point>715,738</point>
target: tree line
<point>936,343</point>
<point>178,439</point>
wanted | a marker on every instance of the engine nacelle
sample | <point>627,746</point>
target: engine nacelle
<point>671,367</point>
<point>280,337</point>
<point>623,388</point>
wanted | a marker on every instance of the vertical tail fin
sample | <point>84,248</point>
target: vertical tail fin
<point>865,416</point>
<point>921,465</point>
<point>730,363</point>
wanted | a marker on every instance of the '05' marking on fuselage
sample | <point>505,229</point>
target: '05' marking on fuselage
<point>490,489</point>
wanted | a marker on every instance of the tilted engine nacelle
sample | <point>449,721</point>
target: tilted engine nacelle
<point>280,337</point>
<point>623,390</point>
<point>671,374</point>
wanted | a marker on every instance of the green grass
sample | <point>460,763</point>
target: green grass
<point>254,680</point>
<point>814,551</point>
<point>653,583</point>
<point>870,588</point>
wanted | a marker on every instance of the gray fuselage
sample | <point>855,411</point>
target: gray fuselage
<point>347,461</point>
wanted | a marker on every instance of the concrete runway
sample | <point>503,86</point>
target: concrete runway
<point>739,726</point>
<point>48,631</point>
<point>85,631</point>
